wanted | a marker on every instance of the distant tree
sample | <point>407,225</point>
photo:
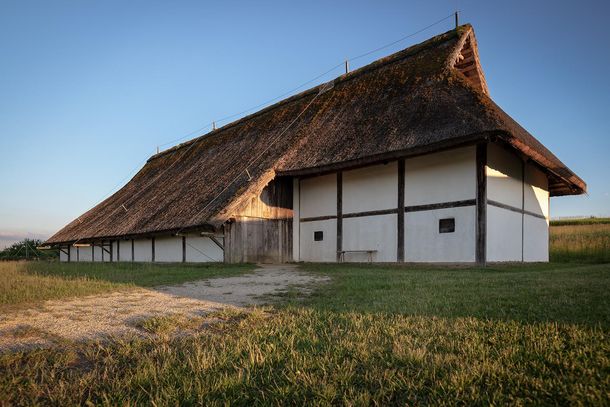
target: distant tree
<point>27,249</point>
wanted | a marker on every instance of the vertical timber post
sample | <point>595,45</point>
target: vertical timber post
<point>400,238</point>
<point>118,251</point>
<point>153,249</point>
<point>339,215</point>
<point>481,229</point>
<point>522,210</point>
<point>184,249</point>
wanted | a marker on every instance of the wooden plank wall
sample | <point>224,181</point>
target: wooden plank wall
<point>261,231</point>
<point>249,240</point>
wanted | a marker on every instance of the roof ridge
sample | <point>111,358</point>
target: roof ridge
<point>378,63</point>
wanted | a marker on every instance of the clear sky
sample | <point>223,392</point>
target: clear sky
<point>89,89</point>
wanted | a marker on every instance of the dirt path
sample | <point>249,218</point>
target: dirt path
<point>118,314</point>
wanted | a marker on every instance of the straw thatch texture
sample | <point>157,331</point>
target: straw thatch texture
<point>411,102</point>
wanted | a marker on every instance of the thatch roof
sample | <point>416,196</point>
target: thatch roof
<point>427,97</point>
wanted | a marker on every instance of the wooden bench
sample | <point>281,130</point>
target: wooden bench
<point>341,254</point>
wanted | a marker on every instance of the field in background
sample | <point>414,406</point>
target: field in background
<point>580,240</point>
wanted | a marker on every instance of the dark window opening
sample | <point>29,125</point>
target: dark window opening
<point>318,236</point>
<point>446,225</point>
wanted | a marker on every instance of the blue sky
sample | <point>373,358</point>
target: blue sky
<point>88,89</point>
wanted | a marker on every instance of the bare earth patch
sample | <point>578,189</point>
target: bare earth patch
<point>120,313</point>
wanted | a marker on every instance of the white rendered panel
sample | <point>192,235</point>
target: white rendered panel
<point>125,251</point>
<point>370,233</point>
<point>504,178</point>
<point>142,250</point>
<point>536,239</point>
<point>424,243</point>
<point>536,191</point>
<point>97,254</point>
<point>296,224</point>
<point>168,249</point>
<point>370,188</point>
<point>321,251</point>
<point>319,196</point>
<point>440,177</point>
<point>503,234</point>
<point>84,253</point>
<point>201,249</point>
<point>73,253</point>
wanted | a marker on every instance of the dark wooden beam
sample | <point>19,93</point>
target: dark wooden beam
<point>514,209</point>
<point>523,209</point>
<point>400,239</point>
<point>481,202</point>
<point>440,205</point>
<point>315,218</point>
<point>153,248</point>
<point>217,242</point>
<point>339,214</point>
<point>369,213</point>
<point>184,249</point>
<point>118,250</point>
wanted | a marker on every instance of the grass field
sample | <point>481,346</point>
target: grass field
<point>584,242</point>
<point>510,334</point>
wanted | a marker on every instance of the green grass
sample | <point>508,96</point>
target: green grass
<point>568,293</point>
<point>373,335</point>
<point>27,283</point>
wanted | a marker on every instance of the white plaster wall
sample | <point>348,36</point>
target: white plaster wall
<point>73,255</point>
<point>322,251</point>
<point>142,250</point>
<point>97,254</point>
<point>536,239</point>
<point>168,249</point>
<point>441,177</point>
<point>371,233</point>
<point>503,234</point>
<point>84,254</point>
<point>63,256</point>
<point>296,220</point>
<point>424,243</point>
<point>536,191</point>
<point>319,196</point>
<point>125,252</point>
<point>201,249</point>
<point>370,188</point>
<point>504,176</point>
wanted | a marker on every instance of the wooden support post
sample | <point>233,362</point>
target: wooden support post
<point>92,251</point>
<point>184,249</point>
<point>522,209</point>
<point>77,253</point>
<point>118,251</point>
<point>339,215</point>
<point>481,201</point>
<point>153,249</point>
<point>400,239</point>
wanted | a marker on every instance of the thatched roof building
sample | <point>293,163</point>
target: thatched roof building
<point>428,97</point>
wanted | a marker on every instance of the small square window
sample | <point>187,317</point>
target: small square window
<point>318,236</point>
<point>446,225</point>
